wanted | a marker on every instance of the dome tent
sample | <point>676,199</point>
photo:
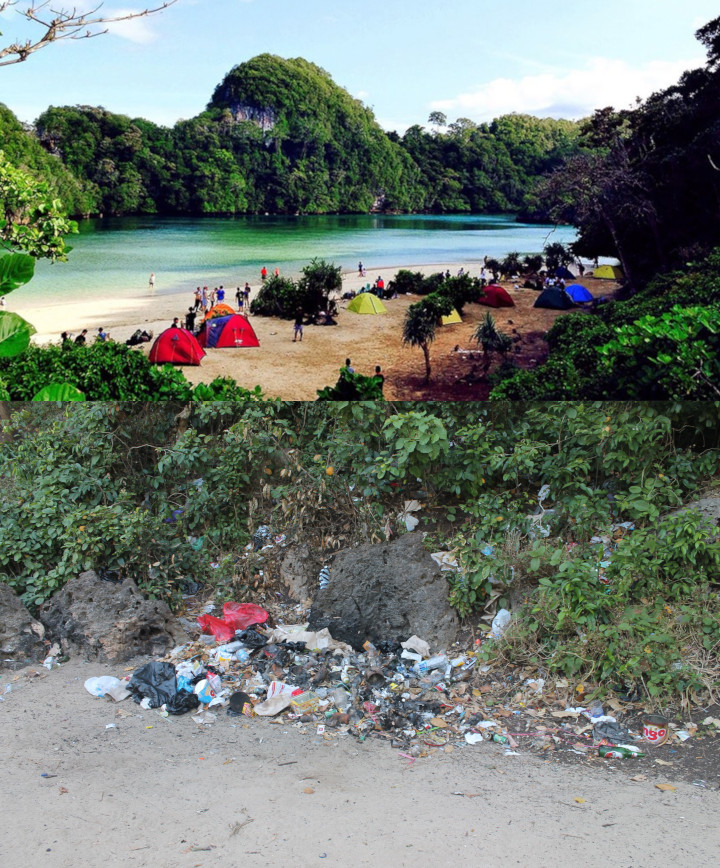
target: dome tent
<point>227,331</point>
<point>609,272</point>
<point>554,299</point>
<point>496,296</point>
<point>452,318</point>
<point>366,302</point>
<point>578,293</point>
<point>176,346</point>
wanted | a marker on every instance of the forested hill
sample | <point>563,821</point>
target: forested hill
<point>280,136</point>
<point>21,149</point>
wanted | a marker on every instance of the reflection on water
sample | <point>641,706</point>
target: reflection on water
<point>116,255</point>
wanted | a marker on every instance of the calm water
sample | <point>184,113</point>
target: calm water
<point>116,256</point>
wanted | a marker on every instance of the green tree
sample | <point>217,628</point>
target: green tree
<point>419,330</point>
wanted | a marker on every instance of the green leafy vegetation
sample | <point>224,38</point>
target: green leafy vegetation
<point>107,371</point>
<point>566,513</point>
<point>661,344</point>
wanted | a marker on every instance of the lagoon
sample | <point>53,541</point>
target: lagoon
<point>114,257</point>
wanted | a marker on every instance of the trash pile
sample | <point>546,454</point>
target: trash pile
<point>396,690</point>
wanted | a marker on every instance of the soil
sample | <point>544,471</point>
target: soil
<point>88,783</point>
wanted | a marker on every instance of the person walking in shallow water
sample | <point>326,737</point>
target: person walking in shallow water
<point>151,282</point>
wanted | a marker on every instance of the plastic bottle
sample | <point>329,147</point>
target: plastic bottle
<point>619,751</point>
<point>439,661</point>
<point>500,739</point>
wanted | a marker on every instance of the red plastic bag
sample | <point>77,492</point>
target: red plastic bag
<point>243,615</point>
<point>221,630</point>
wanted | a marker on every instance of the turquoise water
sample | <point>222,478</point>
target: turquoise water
<point>114,257</point>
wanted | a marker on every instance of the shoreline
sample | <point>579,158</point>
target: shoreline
<point>294,371</point>
<point>155,310</point>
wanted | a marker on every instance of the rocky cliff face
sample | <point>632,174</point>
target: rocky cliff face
<point>265,118</point>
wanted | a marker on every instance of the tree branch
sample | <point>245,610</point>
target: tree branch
<point>59,24</point>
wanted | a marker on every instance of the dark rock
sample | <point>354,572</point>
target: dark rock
<point>109,622</point>
<point>385,592</point>
<point>21,636</point>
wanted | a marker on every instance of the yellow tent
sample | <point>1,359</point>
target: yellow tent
<point>366,302</point>
<point>609,272</point>
<point>451,318</point>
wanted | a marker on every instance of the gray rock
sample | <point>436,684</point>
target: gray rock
<point>299,570</point>
<point>386,591</point>
<point>21,636</point>
<point>109,622</point>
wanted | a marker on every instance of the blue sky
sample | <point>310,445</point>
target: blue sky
<point>403,58</point>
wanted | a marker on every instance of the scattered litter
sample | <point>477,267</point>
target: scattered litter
<point>666,788</point>
<point>500,623</point>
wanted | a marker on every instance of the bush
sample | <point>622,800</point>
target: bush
<point>407,282</point>
<point>108,371</point>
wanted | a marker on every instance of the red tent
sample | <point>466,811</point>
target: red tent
<point>496,296</point>
<point>228,331</point>
<point>176,346</point>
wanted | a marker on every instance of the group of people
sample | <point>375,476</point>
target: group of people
<point>378,375</point>
<point>80,340</point>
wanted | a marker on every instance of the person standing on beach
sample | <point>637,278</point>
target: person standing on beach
<point>221,294</point>
<point>102,335</point>
<point>81,339</point>
<point>379,377</point>
<point>348,367</point>
<point>198,298</point>
<point>361,271</point>
<point>246,294</point>
<point>151,282</point>
<point>239,298</point>
<point>263,274</point>
<point>298,327</point>
<point>277,271</point>
<point>190,319</point>
<point>204,298</point>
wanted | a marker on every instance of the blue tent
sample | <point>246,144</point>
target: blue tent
<point>578,293</point>
<point>564,273</point>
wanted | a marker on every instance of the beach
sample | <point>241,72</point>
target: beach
<point>295,371</point>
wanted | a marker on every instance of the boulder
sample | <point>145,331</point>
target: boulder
<point>386,591</point>
<point>21,636</point>
<point>109,622</point>
<point>299,570</point>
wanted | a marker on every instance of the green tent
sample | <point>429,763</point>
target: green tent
<point>366,302</point>
<point>609,272</point>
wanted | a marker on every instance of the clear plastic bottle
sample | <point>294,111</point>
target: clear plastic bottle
<point>439,661</point>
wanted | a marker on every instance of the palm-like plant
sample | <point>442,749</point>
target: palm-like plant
<point>419,330</point>
<point>511,264</point>
<point>492,341</point>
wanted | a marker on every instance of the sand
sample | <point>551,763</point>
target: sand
<point>127,787</point>
<point>295,371</point>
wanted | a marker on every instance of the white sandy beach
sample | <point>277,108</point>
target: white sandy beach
<point>295,371</point>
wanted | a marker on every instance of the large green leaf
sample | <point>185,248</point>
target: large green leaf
<point>59,392</point>
<point>15,334</point>
<point>16,269</point>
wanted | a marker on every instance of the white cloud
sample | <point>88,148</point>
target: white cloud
<point>574,94</point>
<point>137,30</point>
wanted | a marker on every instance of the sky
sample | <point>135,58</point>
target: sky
<point>475,59</point>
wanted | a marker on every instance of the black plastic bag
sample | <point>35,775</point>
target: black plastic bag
<point>182,702</point>
<point>156,681</point>
<point>251,638</point>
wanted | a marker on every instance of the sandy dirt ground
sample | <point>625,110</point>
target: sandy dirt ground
<point>87,783</point>
<point>295,371</point>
